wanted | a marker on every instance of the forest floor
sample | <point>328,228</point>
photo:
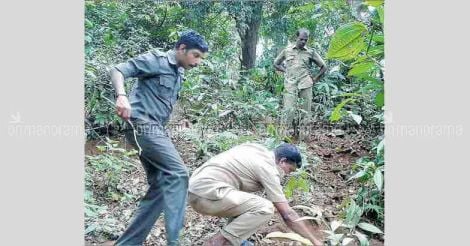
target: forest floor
<point>334,151</point>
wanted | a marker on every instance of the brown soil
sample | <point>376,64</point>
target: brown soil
<point>328,176</point>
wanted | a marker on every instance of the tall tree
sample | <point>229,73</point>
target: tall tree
<point>247,15</point>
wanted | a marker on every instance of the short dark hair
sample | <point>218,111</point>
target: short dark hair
<point>302,30</point>
<point>290,152</point>
<point>192,40</point>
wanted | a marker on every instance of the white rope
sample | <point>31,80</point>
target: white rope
<point>130,123</point>
<point>135,136</point>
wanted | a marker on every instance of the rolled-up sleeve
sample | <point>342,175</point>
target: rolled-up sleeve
<point>280,58</point>
<point>271,182</point>
<point>317,59</point>
<point>140,66</point>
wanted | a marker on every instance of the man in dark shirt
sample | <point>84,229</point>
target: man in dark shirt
<point>146,112</point>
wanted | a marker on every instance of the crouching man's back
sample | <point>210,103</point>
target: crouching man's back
<point>222,187</point>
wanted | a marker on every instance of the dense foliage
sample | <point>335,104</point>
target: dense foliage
<point>237,88</point>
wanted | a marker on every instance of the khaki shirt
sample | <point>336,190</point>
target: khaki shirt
<point>247,167</point>
<point>298,64</point>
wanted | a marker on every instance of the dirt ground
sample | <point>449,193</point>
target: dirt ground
<point>335,151</point>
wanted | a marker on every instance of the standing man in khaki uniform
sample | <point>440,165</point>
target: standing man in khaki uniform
<point>221,187</point>
<point>298,78</point>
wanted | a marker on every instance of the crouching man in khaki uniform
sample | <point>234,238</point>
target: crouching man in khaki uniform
<point>221,187</point>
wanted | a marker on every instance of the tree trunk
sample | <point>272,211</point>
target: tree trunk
<point>248,30</point>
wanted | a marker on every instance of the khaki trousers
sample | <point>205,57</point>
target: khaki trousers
<point>246,213</point>
<point>291,104</point>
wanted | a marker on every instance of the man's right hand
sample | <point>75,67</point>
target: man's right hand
<point>316,242</point>
<point>123,107</point>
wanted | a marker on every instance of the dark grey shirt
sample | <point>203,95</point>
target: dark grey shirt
<point>159,80</point>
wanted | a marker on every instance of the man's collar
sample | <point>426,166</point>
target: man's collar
<point>281,171</point>
<point>171,54</point>
<point>278,168</point>
<point>293,46</point>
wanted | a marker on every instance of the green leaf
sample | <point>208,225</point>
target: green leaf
<point>376,50</point>
<point>374,3</point>
<point>90,212</point>
<point>350,95</point>
<point>271,129</point>
<point>347,42</point>
<point>335,225</point>
<point>88,38</point>
<point>362,68</point>
<point>336,114</point>
<point>346,241</point>
<point>108,38</point>
<point>88,23</point>
<point>335,238</point>
<point>379,100</point>
<point>369,227</point>
<point>307,8</point>
<point>378,179</point>
<point>378,38</point>
<point>362,238</point>
<point>380,11</point>
<point>380,146</point>
<point>353,214</point>
<point>90,228</point>
<point>374,82</point>
<point>376,208</point>
<point>358,175</point>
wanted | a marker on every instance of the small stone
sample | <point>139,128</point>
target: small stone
<point>338,132</point>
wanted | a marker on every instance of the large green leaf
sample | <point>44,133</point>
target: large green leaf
<point>379,100</point>
<point>353,214</point>
<point>378,38</point>
<point>347,42</point>
<point>369,227</point>
<point>88,24</point>
<point>378,179</point>
<point>374,3</point>
<point>363,68</point>
<point>380,146</point>
<point>358,175</point>
<point>109,38</point>
<point>346,241</point>
<point>362,238</point>
<point>380,11</point>
<point>377,51</point>
<point>374,82</point>
<point>336,114</point>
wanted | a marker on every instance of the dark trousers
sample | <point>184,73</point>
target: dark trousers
<point>167,177</point>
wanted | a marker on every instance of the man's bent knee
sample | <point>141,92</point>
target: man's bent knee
<point>179,171</point>
<point>266,207</point>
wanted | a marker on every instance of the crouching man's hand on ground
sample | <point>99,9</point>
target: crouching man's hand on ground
<point>290,218</point>
<point>316,242</point>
